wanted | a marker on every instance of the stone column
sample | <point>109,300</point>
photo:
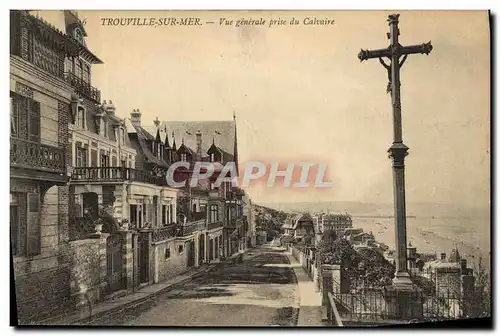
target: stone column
<point>127,260</point>
<point>174,210</point>
<point>125,204</point>
<point>103,269</point>
<point>148,200</point>
<point>155,262</point>
<point>196,250</point>
<point>152,259</point>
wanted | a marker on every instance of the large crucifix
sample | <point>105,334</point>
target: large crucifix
<point>394,52</point>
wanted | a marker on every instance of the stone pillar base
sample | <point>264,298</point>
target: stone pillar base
<point>403,302</point>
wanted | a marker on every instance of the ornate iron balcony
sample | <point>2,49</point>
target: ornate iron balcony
<point>33,155</point>
<point>164,233</point>
<point>214,225</point>
<point>83,87</point>
<point>115,174</point>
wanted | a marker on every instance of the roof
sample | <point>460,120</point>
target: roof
<point>222,133</point>
<point>441,264</point>
<point>142,137</point>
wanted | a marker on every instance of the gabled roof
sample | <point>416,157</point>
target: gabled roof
<point>142,137</point>
<point>222,133</point>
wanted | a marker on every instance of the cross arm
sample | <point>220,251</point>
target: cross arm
<point>424,48</point>
<point>378,53</point>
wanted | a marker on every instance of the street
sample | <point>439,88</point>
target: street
<point>261,291</point>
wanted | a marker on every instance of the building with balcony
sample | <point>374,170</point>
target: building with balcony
<point>300,226</point>
<point>220,208</point>
<point>40,161</point>
<point>333,221</point>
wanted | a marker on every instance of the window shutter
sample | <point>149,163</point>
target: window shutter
<point>34,121</point>
<point>33,227</point>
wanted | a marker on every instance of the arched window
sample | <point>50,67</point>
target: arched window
<point>214,213</point>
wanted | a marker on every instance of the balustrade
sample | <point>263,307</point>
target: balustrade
<point>164,233</point>
<point>111,174</point>
<point>83,87</point>
<point>30,154</point>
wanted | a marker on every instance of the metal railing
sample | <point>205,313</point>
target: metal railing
<point>83,87</point>
<point>118,174</point>
<point>34,155</point>
<point>190,228</point>
<point>214,225</point>
<point>332,313</point>
<point>164,233</point>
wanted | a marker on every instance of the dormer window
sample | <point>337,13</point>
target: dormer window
<point>80,117</point>
<point>104,128</point>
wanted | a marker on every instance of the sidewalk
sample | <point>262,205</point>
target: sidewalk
<point>310,310</point>
<point>145,295</point>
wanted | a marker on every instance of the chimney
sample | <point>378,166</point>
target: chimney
<point>443,256</point>
<point>109,108</point>
<point>135,118</point>
<point>198,143</point>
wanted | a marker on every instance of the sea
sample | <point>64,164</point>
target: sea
<point>435,235</point>
<point>431,227</point>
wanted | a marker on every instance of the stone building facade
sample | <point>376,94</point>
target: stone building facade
<point>40,97</point>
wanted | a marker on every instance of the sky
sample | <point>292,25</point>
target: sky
<point>301,94</point>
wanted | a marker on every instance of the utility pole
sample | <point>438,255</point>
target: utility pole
<point>397,152</point>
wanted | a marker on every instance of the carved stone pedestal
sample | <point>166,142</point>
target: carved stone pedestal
<point>404,302</point>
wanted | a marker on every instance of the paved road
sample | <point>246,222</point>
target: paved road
<point>261,291</point>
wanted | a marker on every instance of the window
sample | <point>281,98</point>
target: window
<point>124,163</point>
<point>214,213</point>
<point>14,223</point>
<point>81,157</point>
<point>30,110</point>
<point>80,117</point>
<point>167,252</point>
<point>104,129</point>
<point>86,73</point>
<point>104,159</point>
<point>212,157</point>
<point>180,249</point>
<point>164,214</point>
<point>183,157</point>
<point>122,132</point>
<point>25,224</point>
<point>133,214</point>
<point>78,68</point>
<point>14,119</point>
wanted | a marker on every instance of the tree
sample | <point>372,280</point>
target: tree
<point>329,236</point>
<point>377,271</point>
<point>338,252</point>
<point>480,298</point>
